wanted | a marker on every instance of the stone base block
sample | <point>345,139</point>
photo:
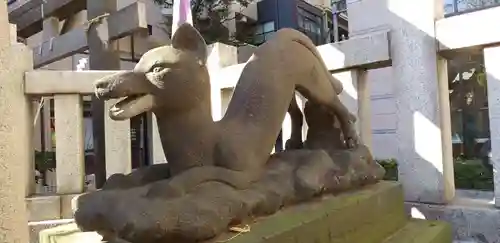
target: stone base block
<point>422,231</point>
<point>67,233</point>
<point>37,227</point>
<point>368,215</point>
<point>472,220</point>
<point>373,214</point>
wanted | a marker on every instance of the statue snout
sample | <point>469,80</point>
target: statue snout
<point>121,84</point>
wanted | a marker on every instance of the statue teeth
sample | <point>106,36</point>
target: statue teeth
<point>115,109</point>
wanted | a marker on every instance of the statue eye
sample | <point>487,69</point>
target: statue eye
<point>157,69</point>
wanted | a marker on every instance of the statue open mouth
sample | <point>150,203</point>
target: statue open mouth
<point>131,106</point>
<point>131,88</point>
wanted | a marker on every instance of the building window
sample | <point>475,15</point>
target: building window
<point>470,121</point>
<point>310,25</point>
<point>264,32</point>
<point>454,7</point>
<point>340,5</point>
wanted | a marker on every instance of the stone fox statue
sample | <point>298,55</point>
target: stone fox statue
<point>172,81</point>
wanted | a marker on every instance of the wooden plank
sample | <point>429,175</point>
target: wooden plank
<point>48,83</point>
<point>70,161</point>
<point>468,30</point>
<point>128,20</point>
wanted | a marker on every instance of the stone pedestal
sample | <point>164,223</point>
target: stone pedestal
<point>370,215</point>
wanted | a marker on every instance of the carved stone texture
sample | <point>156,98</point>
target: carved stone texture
<point>221,173</point>
<point>208,209</point>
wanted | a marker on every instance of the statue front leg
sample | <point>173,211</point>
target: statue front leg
<point>297,119</point>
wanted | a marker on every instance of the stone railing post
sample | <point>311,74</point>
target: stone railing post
<point>16,147</point>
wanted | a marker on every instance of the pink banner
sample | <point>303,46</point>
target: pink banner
<point>181,13</point>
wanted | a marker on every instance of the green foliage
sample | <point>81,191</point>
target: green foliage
<point>45,161</point>
<point>208,18</point>
<point>469,174</point>
<point>391,169</point>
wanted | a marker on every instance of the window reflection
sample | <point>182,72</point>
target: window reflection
<point>469,106</point>
<point>453,7</point>
<point>470,122</point>
<point>264,32</point>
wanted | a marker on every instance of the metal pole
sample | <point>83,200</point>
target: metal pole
<point>325,30</point>
<point>335,22</point>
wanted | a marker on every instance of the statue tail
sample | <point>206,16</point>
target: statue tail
<point>302,39</point>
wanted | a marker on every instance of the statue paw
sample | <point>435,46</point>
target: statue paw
<point>293,144</point>
<point>130,216</point>
<point>351,138</point>
<point>352,141</point>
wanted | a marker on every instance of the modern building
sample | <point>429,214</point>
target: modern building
<point>314,18</point>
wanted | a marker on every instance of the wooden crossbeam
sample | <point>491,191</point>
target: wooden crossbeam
<point>363,52</point>
<point>20,7</point>
<point>468,30</point>
<point>366,52</point>
<point>125,22</point>
<point>30,22</point>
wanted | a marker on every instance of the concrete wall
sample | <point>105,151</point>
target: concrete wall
<point>383,104</point>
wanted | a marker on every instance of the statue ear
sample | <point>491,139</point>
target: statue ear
<point>187,38</point>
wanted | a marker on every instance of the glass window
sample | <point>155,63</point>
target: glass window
<point>259,29</point>
<point>470,123</point>
<point>458,6</point>
<point>263,32</point>
<point>311,25</point>
<point>268,26</point>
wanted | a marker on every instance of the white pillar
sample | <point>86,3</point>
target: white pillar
<point>220,56</point>
<point>492,64</point>
<point>424,154</point>
<point>364,108</point>
<point>156,153</point>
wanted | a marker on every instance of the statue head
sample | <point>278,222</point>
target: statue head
<point>166,79</point>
